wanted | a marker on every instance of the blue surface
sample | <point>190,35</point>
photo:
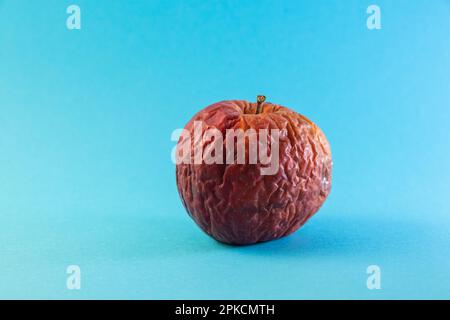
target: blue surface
<point>86,117</point>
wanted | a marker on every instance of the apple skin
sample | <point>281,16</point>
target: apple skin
<point>237,205</point>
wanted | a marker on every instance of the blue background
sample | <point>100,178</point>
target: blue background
<point>86,118</point>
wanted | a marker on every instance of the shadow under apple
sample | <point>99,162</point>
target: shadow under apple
<point>346,235</point>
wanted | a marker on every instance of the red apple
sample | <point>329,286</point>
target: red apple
<point>237,203</point>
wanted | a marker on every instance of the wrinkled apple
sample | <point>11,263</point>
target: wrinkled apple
<point>252,172</point>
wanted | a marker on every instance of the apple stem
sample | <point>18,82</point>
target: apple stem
<point>260,101</point>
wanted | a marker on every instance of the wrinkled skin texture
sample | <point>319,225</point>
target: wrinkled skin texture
<point>237,205</point>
